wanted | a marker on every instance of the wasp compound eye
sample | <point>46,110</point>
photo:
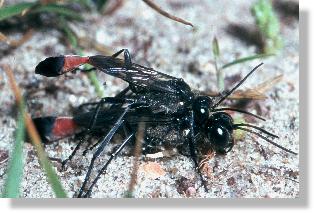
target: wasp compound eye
<point>219,135</point>
<point>222,119</point>
<point>219,131</point>
<point>220,138</point>
<point>51,67</point>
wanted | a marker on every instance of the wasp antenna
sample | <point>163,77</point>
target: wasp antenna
<point>258,128</point>
<point>240,111</point>
<point>236,86</point>
<point>55,66</point>
<point>266,139</point>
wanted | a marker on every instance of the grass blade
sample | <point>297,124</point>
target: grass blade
<point>60,10</point>
<point>166,14</point>
<point>95,82</point>
<point>269,25</point>
<point>219,73</point>
<point>137,155</point>
<point>13,10</point>
<point>16,163</point>
<point>42,157</point>
<point>100,4</point>
<point>249,58</point>
<point>69,34</point>
<point>73,40</point>
<point>215,46</point>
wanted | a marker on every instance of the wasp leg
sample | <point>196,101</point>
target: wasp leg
<point>127,57</point>
<point>101,102</point>
<point>118,53</point>
<point>192,149</point>
<point>104,168</point>
<point>81,140</point>
<point>121,95</point>
<point>123,92</point>
<point>126,129</point>
<point>82,137</point>
<point>101,147</point>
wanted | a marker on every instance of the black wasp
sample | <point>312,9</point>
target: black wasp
<point>174,115</point>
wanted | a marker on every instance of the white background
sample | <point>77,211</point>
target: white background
<point>304,204</point>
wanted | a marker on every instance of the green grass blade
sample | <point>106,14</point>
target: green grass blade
<point>269,25</point>
<point>72,38</point>
<point>60,10</point>
<point>85,3</point>
<point>101,4</point>
<point>239,134</point>
<point>95,82</point>
<point>215,46</point>
<point>15,168</point>
<point>245,59</point>
<point>32,132</point>
<point>51,174</point>
<point>13,10</point>
<point>69,34</point>
<point>219,73</point>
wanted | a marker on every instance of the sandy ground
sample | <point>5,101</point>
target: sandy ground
<point>253,169</point>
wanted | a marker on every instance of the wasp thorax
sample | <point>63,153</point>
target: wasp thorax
<point>201,106</point>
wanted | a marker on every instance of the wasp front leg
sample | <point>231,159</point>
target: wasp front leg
<point>193,151</point>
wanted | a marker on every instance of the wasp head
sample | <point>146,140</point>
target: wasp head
<point>219,128</point>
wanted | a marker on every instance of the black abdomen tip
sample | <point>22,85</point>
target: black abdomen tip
<point>44,126</point>
<point>50,67</point>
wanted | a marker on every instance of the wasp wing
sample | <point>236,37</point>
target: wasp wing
<point>109,116</point>
<point>137,75</point>
<point>256,93</point>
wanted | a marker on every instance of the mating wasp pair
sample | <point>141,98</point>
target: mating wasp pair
<point>173,114</point>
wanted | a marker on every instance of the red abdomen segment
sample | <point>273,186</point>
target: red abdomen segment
<point>73,61</point>
<point>55,66</point>
<point>64,127</point>
<point>54,128</point>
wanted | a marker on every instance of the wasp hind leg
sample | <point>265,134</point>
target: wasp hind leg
<point>84,133</point>
<point>127,57</point>
<point>102,144</point>
<point>104,168</point>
